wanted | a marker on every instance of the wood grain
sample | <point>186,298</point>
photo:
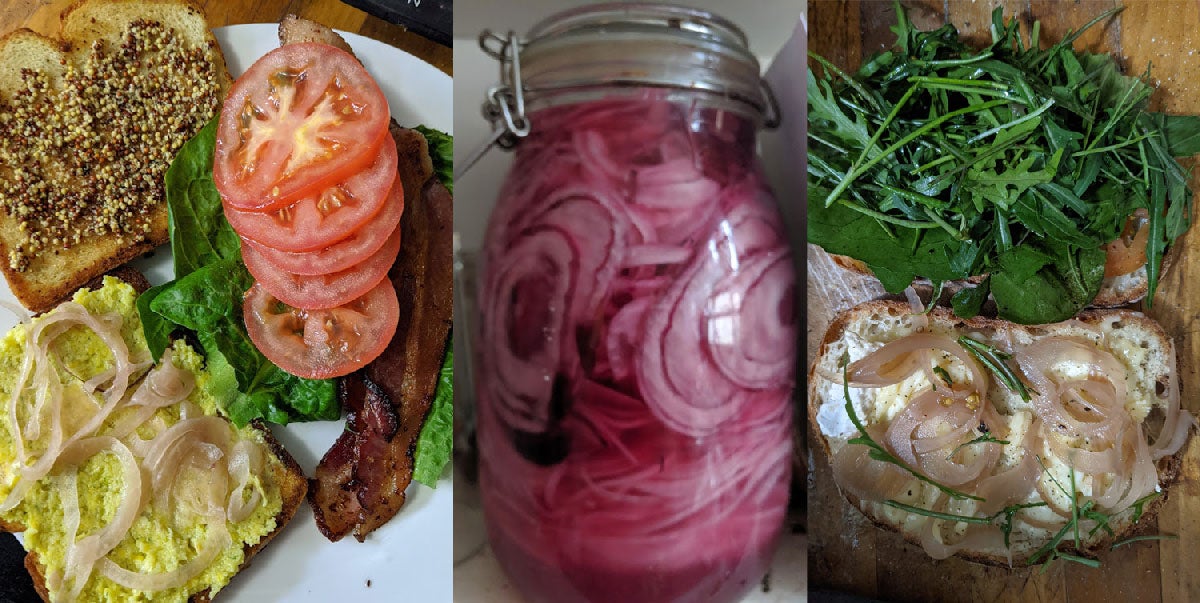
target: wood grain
<point>846,552</point>
<point>42,16</point>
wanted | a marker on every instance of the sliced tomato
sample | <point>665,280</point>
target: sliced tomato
<point>302,117</point>
<point>319,344</point>
<point>343,254</point>
<point>329,216</point>
<point>323,290</point>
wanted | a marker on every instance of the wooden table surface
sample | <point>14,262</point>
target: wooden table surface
<point>42,16</point>
<point>848,554</point>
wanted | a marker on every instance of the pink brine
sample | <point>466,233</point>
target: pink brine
<point>637,353</point>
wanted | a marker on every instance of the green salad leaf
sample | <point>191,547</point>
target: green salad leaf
<point>441,150</point>
<point>205,299</point>
<point>436,442</point>
<point>199,232</point>
<point>941,161</point>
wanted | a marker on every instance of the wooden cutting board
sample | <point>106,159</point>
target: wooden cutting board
<point>847,553</point>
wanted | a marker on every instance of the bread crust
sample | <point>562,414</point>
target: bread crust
<point>1112,294</point>
<point>1169,468</point>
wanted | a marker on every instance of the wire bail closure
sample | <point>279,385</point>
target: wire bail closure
<point>507,101</point>
<point>504,107</point>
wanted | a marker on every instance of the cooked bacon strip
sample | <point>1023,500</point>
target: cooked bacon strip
<point>360,482</point>
<point>408,369</point>
<point>295,30</point>
<point>332,491</point>
<point>375,465</point>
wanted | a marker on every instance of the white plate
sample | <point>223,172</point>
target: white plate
<point>410,558</point>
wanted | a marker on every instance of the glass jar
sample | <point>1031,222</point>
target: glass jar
<point>636,337</point>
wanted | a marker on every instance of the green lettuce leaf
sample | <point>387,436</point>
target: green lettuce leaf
<point>441,150</point>
<point>436,442</point>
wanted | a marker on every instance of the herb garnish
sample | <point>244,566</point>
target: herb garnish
<point>996,361</point>
<point>986,437</point>
<point>941,372</point>
<point>878,452</point>
<point>944,162</point>
<point>1005,515</point>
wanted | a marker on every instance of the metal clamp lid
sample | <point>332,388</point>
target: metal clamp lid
<point>730,72</point>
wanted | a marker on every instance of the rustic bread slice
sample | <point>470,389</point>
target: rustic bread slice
<point>1137,341</point>
<point>98,201</point>
<point>285,473</point>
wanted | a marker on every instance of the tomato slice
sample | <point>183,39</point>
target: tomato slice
<point>319,344</point>
<point>343,254</point>
<point>302,117</point>
<point>322,219</point>
<point>323,290</point>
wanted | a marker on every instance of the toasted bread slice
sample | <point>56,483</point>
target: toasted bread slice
<point>97,146</point>
<point>286,473</point>
<point>281,473</point>
<point>1137,342</point>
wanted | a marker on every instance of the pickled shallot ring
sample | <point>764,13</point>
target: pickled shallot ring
<point>879,453</point>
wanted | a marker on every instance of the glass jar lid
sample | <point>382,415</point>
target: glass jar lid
<point>615,45</point>
<point>659,45</point>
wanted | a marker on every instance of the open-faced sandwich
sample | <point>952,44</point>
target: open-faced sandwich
<point>1030,169</point>
<point>998,442</point>
<point>118,468</point>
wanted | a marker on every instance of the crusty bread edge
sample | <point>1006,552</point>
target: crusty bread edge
<point>1169,468</point>
<point>1105,298</point>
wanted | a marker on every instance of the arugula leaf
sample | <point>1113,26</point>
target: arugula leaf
<point>1182,133</point>
<point>441,150</point>
<point>1033,287</point>
<point>939,161</point>
<point>436,442</point>
<point>968,301</point>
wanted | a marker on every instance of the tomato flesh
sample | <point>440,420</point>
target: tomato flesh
<point>344,254</point>
<point>312,292</point>
<point>301,118</point>
<point>333,214</point>
<point>320,344</point>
